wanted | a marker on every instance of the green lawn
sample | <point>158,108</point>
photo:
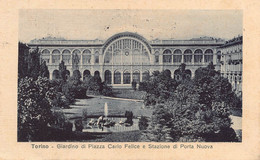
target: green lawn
<point>95,107</point>
<point>128,93</point>
<point>130,136</point>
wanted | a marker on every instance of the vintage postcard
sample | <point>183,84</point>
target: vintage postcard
<point>130,83</point>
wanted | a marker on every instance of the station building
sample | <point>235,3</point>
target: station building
<point>127,57</point>
<point>231,62</point>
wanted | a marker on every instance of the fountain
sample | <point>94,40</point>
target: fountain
<point>106,110</point>
<point>105,125</point>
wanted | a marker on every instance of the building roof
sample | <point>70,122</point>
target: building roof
<point>62,41</point>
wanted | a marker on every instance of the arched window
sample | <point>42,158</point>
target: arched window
<point>167,72</point>
<point>96,57</point>
<point>126,77</point>
<point>86,57</point>
<point>208,56</point>
<point>108,77</point>
<point>136,76</point>
<point>187,56</point>
<point>156,57</point>
<point>66,56</point>
<point>117,77</point>
<point>198,55</point>
<point>96,74</point>
<point>55,56</point>
<point>46,56</point>
<point>55,74</point>
<point>76,74</point>
<point>145,76</point>
<point>86,73</point>
<point>177,56</point>
<point>75,57</point>
<point>167,56</point>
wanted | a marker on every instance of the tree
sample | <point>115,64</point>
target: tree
<point>34,108</point>
<point>212,87</point>
<point>30,63</point>
<point>23,52</point>
<point>159,129</point>
<point>198,110</point>
<point>62,70</point>
<point>159,88</point>
<point>44,72</point>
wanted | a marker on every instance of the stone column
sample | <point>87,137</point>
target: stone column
<point>203,58</point>
<point>192,60</point>
<point>122,74</point>
<point>131,76</point>
<point>112,77</point>
<point>50,58</point>
<point>92,56</point>
<point>81,60</point>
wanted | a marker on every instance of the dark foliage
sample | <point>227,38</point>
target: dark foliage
<point>143,123</point>
<point>159,88</point>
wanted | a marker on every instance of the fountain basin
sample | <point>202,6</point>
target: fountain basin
<point>118,126</point>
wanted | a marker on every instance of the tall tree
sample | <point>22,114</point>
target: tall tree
<point>34,108</point>
<point>62,70</point>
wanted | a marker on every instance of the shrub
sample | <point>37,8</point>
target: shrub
<point>107,90</point>
<point>78,125</point>
<point>134,85</point>
<point>143,123</point>
<point>142,86</point>
<point>129,117</point>
<point>84,114</point>
<point>34,108</point>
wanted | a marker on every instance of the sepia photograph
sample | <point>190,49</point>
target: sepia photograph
<point>127,75</point>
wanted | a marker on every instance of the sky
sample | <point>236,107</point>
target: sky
<point>151,24</point>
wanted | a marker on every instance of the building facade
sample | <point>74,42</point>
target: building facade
<point>127,57</point>
<point>232,63</point>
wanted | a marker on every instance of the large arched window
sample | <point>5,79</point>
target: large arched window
<point>177,56</point>
<point>66,56</point>
<point>117,77</point>
<point>108,57</point>
<point>127,51</point>
<point>145,76</point>
<point>126,77</point>
<point>136,76</point>
<point>108,77</point>
<point>198,55</point>
<point>187,56</point>
<point>46,56</point>
<point>86,57</point>
<point>167,56</point>
<point>55,56</point>
<point>208,56</point>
